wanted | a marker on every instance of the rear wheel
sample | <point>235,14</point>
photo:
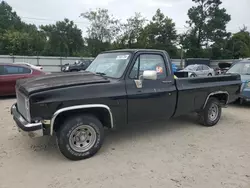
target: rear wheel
<point>80,137</point>
<point>211,114</point>
<point>192,75</point>
<point>210,74</point>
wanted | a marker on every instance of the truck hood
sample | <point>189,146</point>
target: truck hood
<point>58,80</point>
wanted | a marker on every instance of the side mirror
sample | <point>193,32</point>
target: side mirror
<point>149,75</point>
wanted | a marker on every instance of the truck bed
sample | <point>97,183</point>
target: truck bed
<point>193,92</point>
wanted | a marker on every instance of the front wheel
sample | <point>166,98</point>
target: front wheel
<point>209,74</point>
<point>80,137</point>
<point>192,75</point>
<point>211,114</point>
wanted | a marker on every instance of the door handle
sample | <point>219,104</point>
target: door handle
<point>167,81</point>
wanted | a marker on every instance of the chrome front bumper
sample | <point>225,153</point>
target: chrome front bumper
<point>31,129</point>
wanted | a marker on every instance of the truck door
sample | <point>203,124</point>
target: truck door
<point>156,99</point>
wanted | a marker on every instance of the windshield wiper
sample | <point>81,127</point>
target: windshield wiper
<point>101,73</point>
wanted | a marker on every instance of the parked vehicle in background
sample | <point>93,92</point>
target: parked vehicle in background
<point>119,87</point>
<point>38,67</point>
<point>197,61</point>
<point>198,70</point>
<point>242,68</point>
<point>222,68</point>
<point>77,66</point>
<point>10,73</point>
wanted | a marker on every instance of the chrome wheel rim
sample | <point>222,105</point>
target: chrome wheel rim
<point>82,138</point>
<point>213,112</point>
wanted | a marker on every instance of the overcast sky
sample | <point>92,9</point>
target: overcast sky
<point>48,11</point>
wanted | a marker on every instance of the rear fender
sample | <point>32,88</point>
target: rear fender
<point>222,96</point>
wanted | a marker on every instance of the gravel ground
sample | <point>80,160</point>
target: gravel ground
<point>179,153</point>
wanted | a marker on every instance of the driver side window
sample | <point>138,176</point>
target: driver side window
<point>149,62</point>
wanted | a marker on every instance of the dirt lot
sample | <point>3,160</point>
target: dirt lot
<point>179,153</point>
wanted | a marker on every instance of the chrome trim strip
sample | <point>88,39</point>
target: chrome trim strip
<point>80,107</point>
<point>215,93</point>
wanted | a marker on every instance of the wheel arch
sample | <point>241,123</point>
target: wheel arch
<point>96,109</point>
<point>222,96</point>
<point>192,73</point>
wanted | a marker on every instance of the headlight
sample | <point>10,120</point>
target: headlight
<point>27,104</point>
<point>27,107</point>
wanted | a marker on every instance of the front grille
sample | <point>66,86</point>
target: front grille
<point>21,106</point>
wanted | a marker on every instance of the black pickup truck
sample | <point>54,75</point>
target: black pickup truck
<point>119,87</point>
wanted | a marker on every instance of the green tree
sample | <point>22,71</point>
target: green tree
<point>16,43</point>
<point>131,32</point>
<point>103,26</point>
<point>63,38</point>
<point>239,44</point>
<point>207,25</point>
<point>22,43</point>
<point>9,19</point>
<point>161,33</point>
<point>103,30</point>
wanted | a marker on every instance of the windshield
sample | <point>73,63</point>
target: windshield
<point>190,67</point>
<point>110,64</point>
<point>240,68</point>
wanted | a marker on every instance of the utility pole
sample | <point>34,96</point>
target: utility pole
<point>181,57</point>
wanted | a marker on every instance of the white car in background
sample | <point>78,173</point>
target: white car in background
<point>30,65</point>
<point>198,70</point>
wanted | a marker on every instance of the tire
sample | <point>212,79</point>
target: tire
<point>192,75</point>
<point>208,118</point>
<point>209,74</point>
<point>80,137</point>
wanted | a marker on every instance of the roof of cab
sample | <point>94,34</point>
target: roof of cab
<point>134,50</point>
<point>244,61</point>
